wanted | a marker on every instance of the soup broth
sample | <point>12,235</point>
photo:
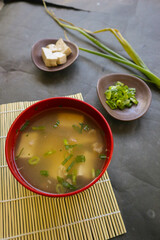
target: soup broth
<point>60,150</point>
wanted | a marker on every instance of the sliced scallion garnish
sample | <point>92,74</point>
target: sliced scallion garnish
<point>97,172</point>
<point>66,159</point>
<point>56,124</point>
<point>102,156</point>
<point>34,160</point>
<point>49,153</point>
<point>70,166</point>
<point>44,173</point>
<point>80,158</point>
<point>65,183</point>
<point>19,154</point>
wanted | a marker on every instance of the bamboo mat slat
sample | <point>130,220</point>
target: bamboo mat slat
<point>24,215</point>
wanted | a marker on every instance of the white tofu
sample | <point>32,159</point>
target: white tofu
<point>67,120</point>
<point>53,48</point>
<point>97,147</point>
<point>27,143</point>
<point>65,49</point>
<point>62,58</point>
<point>49,59</point>
<point>85,168</point>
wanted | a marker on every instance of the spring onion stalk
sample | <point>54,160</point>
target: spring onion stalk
<point>138,63</point>
<point>153,78</point>
<point>127,47</point>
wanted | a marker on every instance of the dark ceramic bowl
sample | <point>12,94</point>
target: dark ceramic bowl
<point>143,95</point>
<point>37,56</point>
<point>39,107</point>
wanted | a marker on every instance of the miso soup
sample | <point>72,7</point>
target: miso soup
<point>60,150</point>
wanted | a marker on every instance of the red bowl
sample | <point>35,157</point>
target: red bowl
<point>41,106</point>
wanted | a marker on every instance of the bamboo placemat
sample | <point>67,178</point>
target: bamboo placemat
<point>92,214</point>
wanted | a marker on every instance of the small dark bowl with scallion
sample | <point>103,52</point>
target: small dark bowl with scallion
<point>125,97</point>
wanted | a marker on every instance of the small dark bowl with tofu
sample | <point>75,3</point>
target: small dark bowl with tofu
<point>52,55</point>
<point>39,108</point>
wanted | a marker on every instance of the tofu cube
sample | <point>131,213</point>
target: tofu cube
<point>67,120</point>
<point>48,58</point>
<point>85,168</point>
<point>27,143</point>
<point>61,57</point>
<point>65,49</point>
<point>53,48</point>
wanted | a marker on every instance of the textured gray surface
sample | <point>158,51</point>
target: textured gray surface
<point>135,166</point>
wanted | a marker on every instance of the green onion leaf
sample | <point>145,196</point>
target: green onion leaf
<point>80,128</point>
<point>68,146</point>
<point>65,183</point>
<point>49,153</point>
<point>97,172</point>
<point>70,166</point>
<point>56,124</point>
<point>66,159</point>
<point>34,160</point>
<point>19,154</point>
<point>80,158</point>
<point>44,173</point>
<point>102,156</point>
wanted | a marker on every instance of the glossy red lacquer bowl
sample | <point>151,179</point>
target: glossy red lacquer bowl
<point>40,107</point>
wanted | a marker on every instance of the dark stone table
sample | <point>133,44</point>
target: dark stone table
<point>135,166</point>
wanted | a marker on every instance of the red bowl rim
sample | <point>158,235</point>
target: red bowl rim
<point>22,181</point>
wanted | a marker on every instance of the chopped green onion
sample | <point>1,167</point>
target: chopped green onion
<point>19,154</point>
<point>80,158</point>
<point>74,179</point>
<point>38,128</point>
<point>24,126</point>
<point>77,128</point>
<point>97,172</point>
<point>56,124</point>
<point>74,176</point>
<point>65,183</point>
<point>44,173</point>
<point>120,96</point>
<point>93,173</point>
<point>68,146</point>
<point>66,159</point>
<point>102,156</point>
<point>70,166</point>
<point>82,126</point>
<point>34,160</point>
<point>65,142</point>
<point>49,153</point>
